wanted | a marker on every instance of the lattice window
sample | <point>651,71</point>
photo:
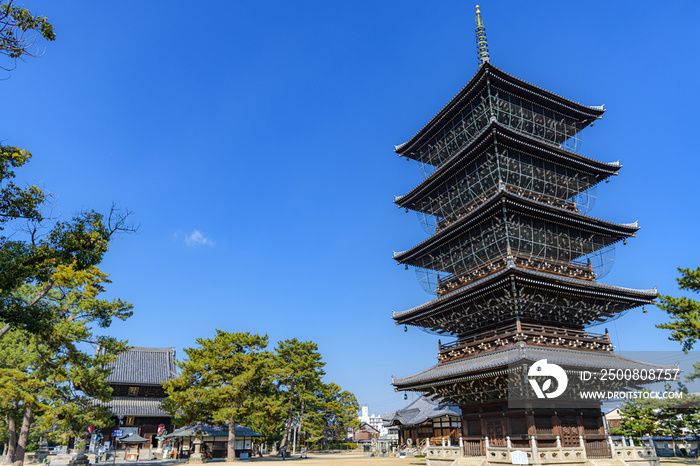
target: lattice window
<point>530,241</point>
<point>521,173</point>
<point>455,134</point>
<point>534,119</point>
<point>510,110</point>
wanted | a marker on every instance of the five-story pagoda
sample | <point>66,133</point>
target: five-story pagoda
<point>513,259</point>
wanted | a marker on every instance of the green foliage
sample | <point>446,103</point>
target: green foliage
<point>332,413</point>
<point>340,412</point>
<point>47,256</point>
<point>16,202</point>
<point>225,380</point>
<point>322,412</point>
<point>684,312</point>
<point>334,446</point>
<point>673,417</point>
<point>639,417</point>
<point>20,31</point>
<point>50,287</point>
<point>62,259</point>
<point>695,374</point>
<point>299,371</point>
<point>53,374</point>
<point>231,378</point>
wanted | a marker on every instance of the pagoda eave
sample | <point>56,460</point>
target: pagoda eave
<point>583,112</point>
<point>516,291</point>
<point>495,131</point>
<point>501,362</point>
<point>506,199</point>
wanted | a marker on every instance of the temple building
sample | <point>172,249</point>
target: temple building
<point>136,380</point>
<point>426,418</point>
<point>515,259</point>
<point>180,443</point>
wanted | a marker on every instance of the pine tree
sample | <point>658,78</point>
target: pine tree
<point>299,373</point>
<point>224,381</point>
<point>684,312</point>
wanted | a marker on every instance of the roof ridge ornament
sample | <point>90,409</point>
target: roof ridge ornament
<point>482,47</point>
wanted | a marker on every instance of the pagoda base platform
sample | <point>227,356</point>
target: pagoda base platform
<point>607,453</point>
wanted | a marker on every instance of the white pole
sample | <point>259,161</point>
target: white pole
<point>294,445</point>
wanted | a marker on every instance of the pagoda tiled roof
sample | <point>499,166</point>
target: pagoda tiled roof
<point>497,362</point>
<point>484,138</point>
<point>487,70</point>
<point>503,197</point>
<point>424,408</point>
<point>144,366</point>
<point>504,275</point>
<point>134,406</point>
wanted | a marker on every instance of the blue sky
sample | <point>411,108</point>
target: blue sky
<point>254,143</point>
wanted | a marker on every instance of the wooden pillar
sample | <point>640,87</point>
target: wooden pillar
<point>579,421</point>
<point>556,425</point>
<point>531,428</point>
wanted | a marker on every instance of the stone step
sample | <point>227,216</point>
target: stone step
<point>605,462</point>
<point>470,461</point>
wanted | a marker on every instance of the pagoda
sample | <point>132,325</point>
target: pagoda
<point>514,260</point>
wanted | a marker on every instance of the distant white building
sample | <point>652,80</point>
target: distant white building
<point>373,420</point>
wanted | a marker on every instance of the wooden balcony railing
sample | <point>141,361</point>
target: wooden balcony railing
<point>574,269</point>
<point>533,334</point>
<point>598,449</point>
<point>473,448</point>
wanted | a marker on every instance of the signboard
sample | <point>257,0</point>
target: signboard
<point>90,429</point>
<point>244,455</point>
<point>130,430</point>
<point>518,457</point>
<point>117,433</point>
<point>161,428</point>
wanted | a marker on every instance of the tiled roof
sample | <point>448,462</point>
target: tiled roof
<point>423,409</point>
<point>488,69</point>
<point>144,366</point>
<point>474,365</point>
<point>487,135</point>
<point>545,278</point>
<point>213,431</point>
<point>522,203</point>
<point>131,406</point>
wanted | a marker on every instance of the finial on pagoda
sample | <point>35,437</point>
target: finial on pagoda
<point>482,47</point>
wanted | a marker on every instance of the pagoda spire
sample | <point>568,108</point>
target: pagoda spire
<point>482,47</point>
